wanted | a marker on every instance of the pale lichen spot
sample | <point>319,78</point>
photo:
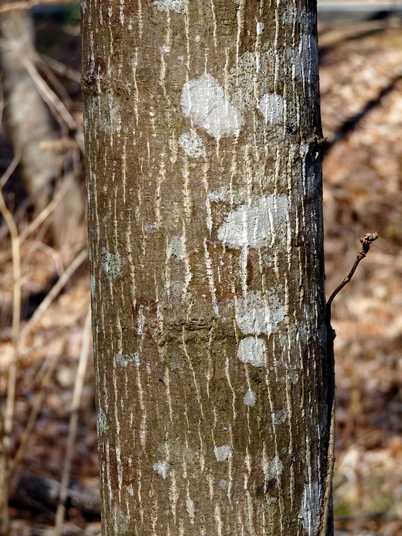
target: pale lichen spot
<point>260,28</point>
<point>273,468</point>
<point>225,194</point>
<point>250,314</point>
<point>120,520</point>
<point>252,350</point>
<point>92,285</point>
<point>162,468</point>
<point>176,248</point>
<point>288,14</point>
<point>223,452</point>
<point>192,144</point>
<point>130,490</point>
<point>254,224</point>
<point>310,509</point>
<point>204,101</point>
<point>293,376</point>
<point>149,227</point>
<point>125,359</point>
<point>169,5</point>
<point>223,484</point>
<point>101,421</point>
<point>108,112</point>
<point>254,315</point>
<point>250,398</point>
<point>272,107</point>
<point>304,150</point>
<point>279,416</point>
<point>112,263</point>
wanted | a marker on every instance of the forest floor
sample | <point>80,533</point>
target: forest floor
<point>361,86</point>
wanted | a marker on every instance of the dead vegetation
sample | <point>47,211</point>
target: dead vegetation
<point>361,86</point>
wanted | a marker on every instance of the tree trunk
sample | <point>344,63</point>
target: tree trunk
<point>206,243</point>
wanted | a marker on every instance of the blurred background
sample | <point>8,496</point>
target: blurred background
<point>50,428</point>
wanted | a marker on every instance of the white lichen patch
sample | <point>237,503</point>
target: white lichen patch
<point>101,421</point>
<point>310,508</point>
<point>251,315</point>
<point>273,468</point>
<point>108,112</point>
<point>253,224</point>
<point>125,359</point>
<point>304,150</point>
<point>92,285</point>
<point>288,15</point>
<point>192,145</point>
<point>176,247</point>
<point>260,28</point>
<point>223,452</point>
<point>130,490</point>
<point>205,103</point>
<point>255,315</point>
<point>169,5</point>
<point>225,194</point>
<point>112,263</point>
<point>120,520</point>
<point>162,468</point>
<point>293,376</point>
<point>250,398</point>
<point>252,350</point>
<point>279,416</point>
<point>272,107</point>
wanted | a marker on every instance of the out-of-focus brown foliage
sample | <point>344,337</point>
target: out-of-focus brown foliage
<point>361,85</point>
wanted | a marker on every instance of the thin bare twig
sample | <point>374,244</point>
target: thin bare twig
<point>52,78</point>
<point>49,96</point>
<point>11,168</point>
<point>366,242</point>
<point>72,429</point>
<point>57,106</point>
<point>60,68</point>
<point>14,470</point>
<point>327,512</point>
<point>56,289</point>
<point>68,181</point>
<point>44,376</point>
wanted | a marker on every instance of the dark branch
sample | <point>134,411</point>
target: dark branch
<point>366,242</point>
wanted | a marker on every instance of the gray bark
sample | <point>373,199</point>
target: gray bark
<point>206,244</point>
